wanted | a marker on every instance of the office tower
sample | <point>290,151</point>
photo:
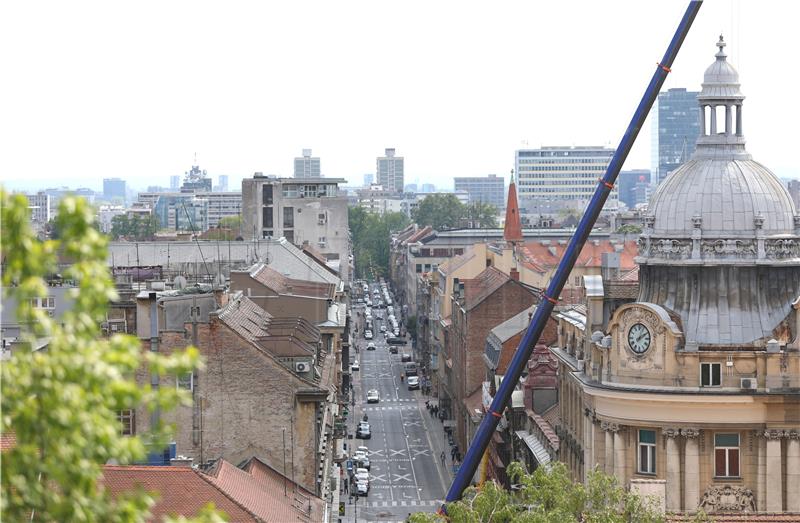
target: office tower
<point>487,189</point>
<point>427,187</point>
<point>675,125</point>
<point>39,204</point>
<point>175,182</point>
<point>562,173</point>
<point>389,171</point>
<point>307,166</point>
<point>223,183</point>
<point>794,192</point>
<point>634,187</point>
<point>368,179</point>
<point>114,188</point>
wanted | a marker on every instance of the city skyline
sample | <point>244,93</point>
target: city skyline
<point>580,91</point>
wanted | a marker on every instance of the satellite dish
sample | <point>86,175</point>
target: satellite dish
<point>179,282</point>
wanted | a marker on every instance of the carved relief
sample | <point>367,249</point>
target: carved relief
<point>728,248</point>
<point>786,248</point>
<point>690,433</point>
<point>669,248</point>
<point>728,498</point>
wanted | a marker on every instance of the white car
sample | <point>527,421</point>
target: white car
<point>371,346</point>
<point>367,335</point>
<point>362,474</point>
<point>383,328</point>
<point>373,396</point>
<point>413,382</point>
<point>362,488</point>
<point>355,365</point>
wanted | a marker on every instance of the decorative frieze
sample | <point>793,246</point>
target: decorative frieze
<point>784,248</point>
<point>728,498</point>
<point>719,249</point>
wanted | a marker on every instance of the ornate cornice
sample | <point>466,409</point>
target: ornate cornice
<point>690,433</point>
<point>722,250</point>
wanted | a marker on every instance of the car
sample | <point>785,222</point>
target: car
<point>397,332</point>
<point>405,357</point>
<point>362,474</point>
<point>396,341</point>
<point>363,431</point>
<point>362,488</point>
<point>355,365</point>
<point>361,460</point>
<point>413,382</point>
<point>373,396</point>
<point>383,328</point>
<point>371,345</point>
<point>368,335</point>
<point>392,349</point>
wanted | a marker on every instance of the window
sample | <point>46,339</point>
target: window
<point>185,381</point>
<point>726,455</point>
<point>647,452</point>
<point>710,375</point>
<point>44,303</point>
<point>266,219</point>
<point>419,267</point>
<point>127,419</point>
<point>322,241</point>
<point>289,235</point>
<point>268,234</point>
<point>288,217</point>
<point>266,194</point>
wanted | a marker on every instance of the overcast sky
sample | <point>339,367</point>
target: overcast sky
<point>101,89</point>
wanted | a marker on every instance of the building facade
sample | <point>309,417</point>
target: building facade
<point>485,189</point>
<point>39,204</point>
<point>562,173</point>
<point>675,121</point>
<point>187,211</point>
<point>307,166</point>
<point>634,187</point>
<point>300,210</point>
<point>389,171</point>
<point>114,188</point>
<point>690,392</point>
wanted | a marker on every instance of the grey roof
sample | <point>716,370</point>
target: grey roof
<point>720,80</point>
<point>538,450</point>
<point>726,195</point>
<point>594,285</point>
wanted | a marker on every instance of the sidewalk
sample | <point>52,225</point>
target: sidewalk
<point>435,428</point>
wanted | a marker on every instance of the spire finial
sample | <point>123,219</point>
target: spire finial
<point>512,175</point>
<point>721,44</point>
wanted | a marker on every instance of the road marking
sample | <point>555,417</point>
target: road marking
<point>400,452</point>
<point>378,477</point>
<point>425,452</point>
<point>401,477</point>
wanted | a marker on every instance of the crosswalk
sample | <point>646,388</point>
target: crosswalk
<point>404,503</point>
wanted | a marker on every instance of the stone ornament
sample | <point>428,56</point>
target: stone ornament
<point>776,433</point>
<point>728,498</point>
<point>670,432</point>
<point>718,249</point>
<point>690,433</point>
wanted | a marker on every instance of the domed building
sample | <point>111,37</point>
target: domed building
<point>692,391</point>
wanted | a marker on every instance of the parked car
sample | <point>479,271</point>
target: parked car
<point>383,328</point>
<point>371,345</point>
<point>363,431</point>
<point>367,335</point>
<point>396,341</point>
<point>413,382</point>
<point>355,365</point>
<point>405,357</point>
<point>373,396</point>
<point>362,488</point>
<point>393,349</point>
<point>361,458</point>
<point>362,475</point>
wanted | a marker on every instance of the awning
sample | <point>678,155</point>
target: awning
<point>538,450</point>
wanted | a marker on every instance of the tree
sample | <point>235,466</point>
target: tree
<point>480,215</point>
<point>62,402</point>
<point>234,223</point>
<point>440,211</point>
<point>134,227</point>
<point>371,234</point>
<point>629,228</point>
<point>547,495</point>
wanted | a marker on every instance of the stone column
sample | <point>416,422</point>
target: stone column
<point>620,455</point>
<point>793,471</point>
<point>728,120</point>
<point>691,470</point>
<point>774,473</point>
<point>713,120</point>
<point>739,120</point>
<point>761,474</point>
<point>673,476</point>
<point>608,466</point>
<point>703,120</point>
<point>588,443</point>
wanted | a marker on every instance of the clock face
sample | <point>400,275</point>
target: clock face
<point>639,338</point>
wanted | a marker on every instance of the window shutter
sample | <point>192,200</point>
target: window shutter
<point>704,375</point>
<point>719,463</point>
<point>733,462</point>
<point>716,374</point>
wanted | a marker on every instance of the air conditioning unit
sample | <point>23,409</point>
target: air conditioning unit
<point>321,221</point>
<point>301,366</point>
<point>749,383</point>
<point>51,313</point>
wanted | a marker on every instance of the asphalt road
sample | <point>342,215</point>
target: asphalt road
<point>406,474</point>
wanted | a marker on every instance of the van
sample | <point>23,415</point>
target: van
<point>411,369</point>
<point>396,341</point>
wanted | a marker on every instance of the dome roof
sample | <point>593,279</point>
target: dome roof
<point>726,195</point>
<point>721,80</point>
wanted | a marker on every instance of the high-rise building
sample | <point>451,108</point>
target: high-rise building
<point>389,171</point>
<point>223,183</point>
<point>369,178</point>
<point>634,187</point>
<point>114,188</point>
<point>675,120</point>
<point>312,210</point>
<point>196,180</point>
<point>39,205</point>
<point>794,192</point>
<point>307,166</point>
<point>486,189</point>
<point>427,187</point>
<point>562,173</point>
<point>175,182</point>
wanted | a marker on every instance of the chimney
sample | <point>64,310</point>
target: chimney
<point>610,265</point>
<point>181,461</point>
<point>514,274</point>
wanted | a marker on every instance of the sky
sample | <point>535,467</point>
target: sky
<point>135,89</point>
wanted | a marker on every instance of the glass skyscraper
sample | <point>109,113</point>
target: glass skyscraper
<point>675,128</point>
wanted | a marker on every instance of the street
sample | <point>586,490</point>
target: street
<point>406,472</point>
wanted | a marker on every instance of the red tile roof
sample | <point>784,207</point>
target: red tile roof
<point>181,491</point>
<point>245,318</point>
<point>483,285</point>
<point>281,284</point>
<point>541,257</point>
<point>420,234</point>
<point>274,480</point>
<point>264,495</point>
